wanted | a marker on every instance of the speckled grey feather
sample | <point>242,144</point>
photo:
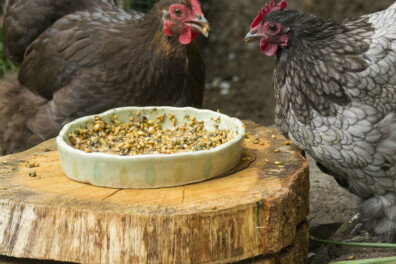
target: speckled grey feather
<point>335,91</point>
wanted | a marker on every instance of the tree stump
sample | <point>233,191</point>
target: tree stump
<point>256,212</point>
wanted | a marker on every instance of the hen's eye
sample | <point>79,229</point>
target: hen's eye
<point>273,27</point>
<point>178,12</point>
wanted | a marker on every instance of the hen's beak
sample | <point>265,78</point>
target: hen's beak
<point>201,25</point>
<point>251,36</point>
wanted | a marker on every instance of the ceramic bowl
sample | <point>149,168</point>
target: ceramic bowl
<point>151,170</point>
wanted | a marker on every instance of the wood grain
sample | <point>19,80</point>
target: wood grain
<point>255,211</point>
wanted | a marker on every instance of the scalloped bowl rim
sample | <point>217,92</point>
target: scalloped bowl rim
<point>62,143</point>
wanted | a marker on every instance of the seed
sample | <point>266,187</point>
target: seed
<point>33,174</point>
<point>256,141</point>
<point>245,159</point>
<point>267,160</point>
<point>138,113</point>
<point>273,137</point>
<point>278,163</point>
<point>151,130</point>
<point>4,162</point>
<point>277,150</point>
<point>214,207</point>
<point>144,136</point>
<point>287,143</point>
<point>32,165</point>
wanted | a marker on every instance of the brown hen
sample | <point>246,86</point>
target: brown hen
<point>82,57</point>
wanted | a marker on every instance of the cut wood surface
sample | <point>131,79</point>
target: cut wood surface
<point>255,212</point>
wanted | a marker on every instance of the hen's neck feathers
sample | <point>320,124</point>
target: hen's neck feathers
<point>314,71</point>
<point>144,51</point>
<point>148,32</point>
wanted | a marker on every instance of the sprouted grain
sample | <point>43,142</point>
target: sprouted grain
<point>144,136</point>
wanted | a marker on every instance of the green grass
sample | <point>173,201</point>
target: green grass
<point>5,64</point>
<point>388,260</point>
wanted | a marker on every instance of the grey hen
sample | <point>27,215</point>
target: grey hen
<point>335,85</point>
<point>82,57</point>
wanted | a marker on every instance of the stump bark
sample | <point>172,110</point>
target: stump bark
<point>256,212</point>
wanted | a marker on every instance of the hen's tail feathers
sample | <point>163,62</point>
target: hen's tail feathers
<point>378,214</point>
<point>24,20</point>
<point>17,106</point>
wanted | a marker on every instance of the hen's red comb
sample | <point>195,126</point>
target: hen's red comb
<point>196,8</point>
<point>273,6</point>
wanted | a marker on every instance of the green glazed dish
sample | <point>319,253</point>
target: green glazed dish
<point>151,170</point>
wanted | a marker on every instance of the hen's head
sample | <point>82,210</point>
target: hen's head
<point>184,18</point>
<point>271,28</point>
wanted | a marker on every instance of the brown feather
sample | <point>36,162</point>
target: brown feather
<point>18,104</point>
<point>89,61</point>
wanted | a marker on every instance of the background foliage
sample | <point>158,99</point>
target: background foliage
<point>5,64</point>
